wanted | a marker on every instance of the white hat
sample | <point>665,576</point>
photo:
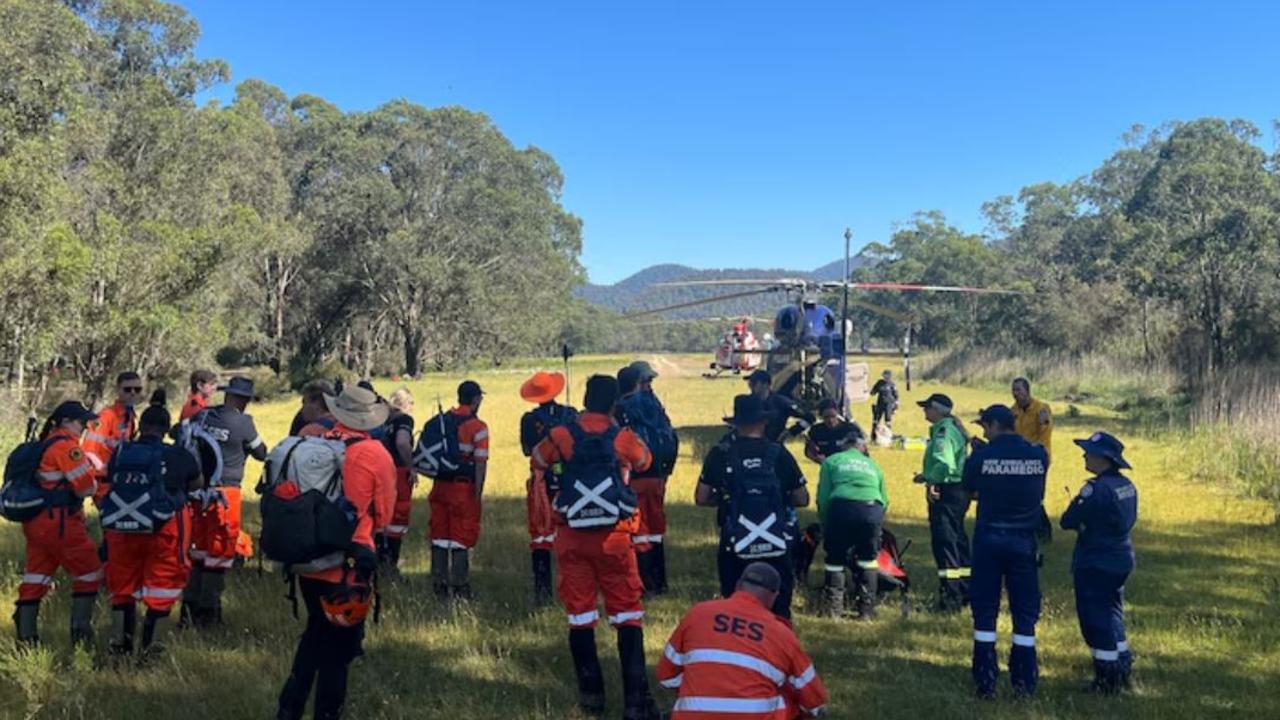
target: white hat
<point>357,408</point>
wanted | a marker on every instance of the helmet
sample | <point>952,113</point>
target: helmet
<point>347,605</point>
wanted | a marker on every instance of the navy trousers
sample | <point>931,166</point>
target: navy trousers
<point>1100,609</point>
<point>1005,558</point>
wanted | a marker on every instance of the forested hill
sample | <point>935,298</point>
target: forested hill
<point>637,292</point>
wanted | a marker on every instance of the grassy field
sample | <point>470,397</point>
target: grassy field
<point>1203,604</point>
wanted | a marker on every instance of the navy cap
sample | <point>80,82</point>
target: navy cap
<point>760,376</point>
<point>1105,445</point>
<point>468,390</point>
<point>939,401</point>
<point>998,414</point>
<point>73,410</point>
<point>628,379</point>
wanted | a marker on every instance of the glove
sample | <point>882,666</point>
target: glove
<point>363,561</point>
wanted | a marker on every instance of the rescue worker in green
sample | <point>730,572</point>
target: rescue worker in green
<point>948,501</point>
<point>851,505</point>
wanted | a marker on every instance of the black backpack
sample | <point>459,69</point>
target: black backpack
<point>757,523</point>
<point>592,492</point>
<point>438,454</point>
<point>138,502</point>
<point>644,414</point>
<point>307,520</point>
<point>22,497</point>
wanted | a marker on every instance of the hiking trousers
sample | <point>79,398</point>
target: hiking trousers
<point>323,657</point>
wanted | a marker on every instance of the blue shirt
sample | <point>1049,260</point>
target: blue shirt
<point>1008,475</point>
<point>1104,512</point>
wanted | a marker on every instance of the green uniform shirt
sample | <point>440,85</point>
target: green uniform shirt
<point>849,475</point>
<point>944,457</point>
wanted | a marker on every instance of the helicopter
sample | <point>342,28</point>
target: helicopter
<point>808,357</point>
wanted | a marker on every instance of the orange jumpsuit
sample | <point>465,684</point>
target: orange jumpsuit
<point>455,509</point>
<point>58,537</point>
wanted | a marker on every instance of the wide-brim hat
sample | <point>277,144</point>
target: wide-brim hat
<point>357,408</point>
<point>542,387</point>
<point>238,385</point>
<point>748,410</point>
<point>1105,445</point>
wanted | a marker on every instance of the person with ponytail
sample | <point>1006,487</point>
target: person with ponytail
<point>147,527</point>
<point>57,537</point>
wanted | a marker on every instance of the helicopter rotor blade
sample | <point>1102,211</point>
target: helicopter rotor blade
<point>695,303</point>
<point>911,287</point>
<point>781,282</point>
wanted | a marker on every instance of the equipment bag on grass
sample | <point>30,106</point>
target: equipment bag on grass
<point>22,497</point>
<point>307,521</point>
<point>758,524</point>
<point>439,453</point>
<point>592,491</point>
<point>644,414</point>
<point>138,501</point>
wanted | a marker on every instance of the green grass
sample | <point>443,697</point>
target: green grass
<point>1203,603</point>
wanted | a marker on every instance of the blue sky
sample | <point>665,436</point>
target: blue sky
<point>745,133</point>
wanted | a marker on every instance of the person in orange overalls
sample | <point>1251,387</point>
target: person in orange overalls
<point>153,565</point>
<point>116,423</point>
<point>456,501</point>
<point>203,385</point>
<point>397,437</point>
<point>733,658</point>
<point>542,389</point>
<point>600,561</point>
<point>58,536</point>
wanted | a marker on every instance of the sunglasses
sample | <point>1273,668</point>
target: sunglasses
<point>132,389</point>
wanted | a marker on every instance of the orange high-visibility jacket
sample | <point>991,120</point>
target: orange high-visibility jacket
<point>115,424</point>
<point>735,660</point>
<point>557,446</point>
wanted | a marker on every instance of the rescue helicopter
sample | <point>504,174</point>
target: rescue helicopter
<point>808,357</point>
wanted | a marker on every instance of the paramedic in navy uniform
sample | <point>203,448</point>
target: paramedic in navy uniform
<point>1104,513</point>
<point>1007,473</point>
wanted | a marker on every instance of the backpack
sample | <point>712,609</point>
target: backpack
<point>191,435</point>
<point>646,417</point>
<point>592,493</point>
<point>438,454</point>
<point>22,497</point>
<point>757,524</point>
<point>307,520</point>
<point>138,501</point>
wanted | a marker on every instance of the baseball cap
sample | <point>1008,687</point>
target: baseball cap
<point>469,390</point>
<point>998,414</point>
<point>73,410</point>
<point>761,575</point>
<point>939,401</point>
<point>644,369</point>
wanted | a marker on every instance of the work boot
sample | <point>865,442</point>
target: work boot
<point>1106,677</point>
<point>460,574</point>
<point>151,623</point>
<point>660,568</point>
<point>82,618</point>
<point>866,594</point>
<point>985,667</point>
<point>26,622</point>
<point>1126,667</point>
<point>440,572</point>
<point>1024,666</point>
<point>644,564</point>
<point>586,665</point>
<point>209,611</point>
<point>542,592</point>
<point>123,620</point>
<point>638,703</point>
<point>833,593</point>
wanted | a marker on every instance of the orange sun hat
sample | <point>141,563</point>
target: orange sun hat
<point>542,387</point>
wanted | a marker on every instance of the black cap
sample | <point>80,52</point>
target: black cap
<point>1105,445</point>
<point>826,404</point>
<point>748,410</point>
<point>760,376</point>
<point>468,391</point>
<point>999,414</point>
<point>762,575</point>
<point>628,380</point>
<point>938,401</point>
<point>601,394</point>
<point>73,410</point>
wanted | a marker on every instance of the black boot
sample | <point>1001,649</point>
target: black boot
<point>460,574</point>
<point>586,665</point>
<point>150,624</point>
<point>26,621</point>
<point>440,572</point>
<point>209,612</point>
<point>639,703</point>
<point>124,619</point>
<point>644,563</point>
<point>191,598</point>
<point>1106,677</point>
<point>542,592</point>
<point>868,589</point>
<point>660,568</point>
<point>833,593</point>
<point>82,618</point>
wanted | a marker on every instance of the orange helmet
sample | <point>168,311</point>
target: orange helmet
<point>347,605</point>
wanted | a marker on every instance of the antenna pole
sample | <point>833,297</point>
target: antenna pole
<point>566,353</point>
<point>844,325</point>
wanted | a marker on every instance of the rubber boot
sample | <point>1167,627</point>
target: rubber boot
<point>124,619</point>
<point>985,668</point>
<point>638,703</point>
<point>151,623</point>
<point>868,592</point>
<point>460,574</point>
<point>209,608</point>
<point>833,593</point>
<point>191,598</point>
<point>660,568</point>
<point>26,621</point>
<point>1024,669</point>
<point>82,618</point>
<point>644,563</point>
<point>440,572</point>
<point>1106,677</point>
<point>1126,666</point>
<point>542,593</point>
<point>586,665</point>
